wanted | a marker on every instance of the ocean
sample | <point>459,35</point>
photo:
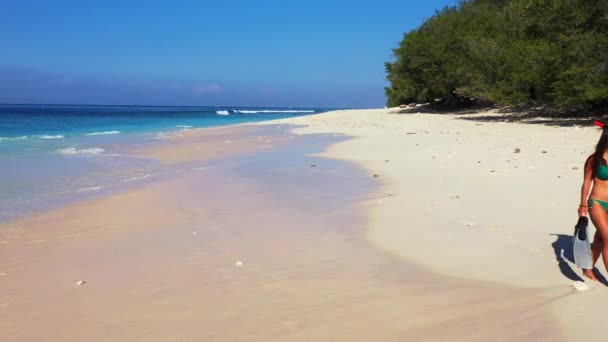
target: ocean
<point>52,155</point>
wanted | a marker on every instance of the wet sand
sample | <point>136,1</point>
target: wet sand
<point>258,245</point>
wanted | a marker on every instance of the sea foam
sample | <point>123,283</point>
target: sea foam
<point>243,111</point>
<point>95,188</point>
<point>58,136</point>
<point>13,138</point>
<point>135,178</point>
<point>222,112</point>
<point>74,151</point>
<point>104,133</point>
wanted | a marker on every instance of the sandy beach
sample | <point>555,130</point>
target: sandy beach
<point>344,226</point>
<point>466,204</point>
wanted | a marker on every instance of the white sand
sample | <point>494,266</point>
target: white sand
<point>464,204</point>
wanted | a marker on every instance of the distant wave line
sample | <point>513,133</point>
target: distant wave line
<point>74,151</point>
<point>104,133</point>
<point>58,136</point>
<point>13,138</point>
<point>246,111</point>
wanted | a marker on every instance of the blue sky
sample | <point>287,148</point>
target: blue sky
<point>243,53</point>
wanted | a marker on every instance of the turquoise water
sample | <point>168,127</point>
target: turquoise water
<point>53,155</point>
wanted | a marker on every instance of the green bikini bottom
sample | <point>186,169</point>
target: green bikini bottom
<point>602,203</point>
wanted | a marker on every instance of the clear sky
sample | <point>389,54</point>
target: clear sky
<point>307,53</point>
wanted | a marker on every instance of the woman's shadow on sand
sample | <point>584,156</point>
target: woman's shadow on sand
<point>562,247</point>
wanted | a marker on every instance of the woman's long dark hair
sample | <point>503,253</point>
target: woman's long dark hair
<point>600,148</point>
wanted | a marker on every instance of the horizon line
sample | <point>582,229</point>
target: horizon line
<point>183,106</point>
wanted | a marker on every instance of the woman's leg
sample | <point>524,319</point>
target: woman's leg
<point>597,246</point>
<point>596,250</point>
<point>599,217</point>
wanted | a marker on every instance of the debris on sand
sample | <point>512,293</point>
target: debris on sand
<point>580,286</point>
<point>313,165</point>
<point>517,150</point>
<point>375,175</point>
<point>81,282</point>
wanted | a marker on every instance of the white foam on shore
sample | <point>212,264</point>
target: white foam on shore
<point>75,151</point>
<point>162,135</point>
<point>135,178</point>
<point>95,188</point>
<point>272,111</point>
<point>222,112</point>
<point>104,133</point>
<point>183,126</point>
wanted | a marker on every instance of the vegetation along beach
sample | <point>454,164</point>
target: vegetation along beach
<point>344,173</point>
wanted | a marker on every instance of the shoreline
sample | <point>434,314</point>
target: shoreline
<point>317,275</point>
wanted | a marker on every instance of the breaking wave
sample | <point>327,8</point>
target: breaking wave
<point>74,151</point>
<point>58,136</point>
<point>12,138</point>
<point>246,111</point>
<point>104,133</point>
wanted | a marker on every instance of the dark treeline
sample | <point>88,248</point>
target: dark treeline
<point>553,52</point>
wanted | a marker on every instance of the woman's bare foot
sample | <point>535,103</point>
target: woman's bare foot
<point>589,274</point>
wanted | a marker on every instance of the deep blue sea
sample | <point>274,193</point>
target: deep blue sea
<point>56,154</point>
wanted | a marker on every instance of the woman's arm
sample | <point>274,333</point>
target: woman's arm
<point>587,180</point>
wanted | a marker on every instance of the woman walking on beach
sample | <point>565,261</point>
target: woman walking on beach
<point>596,203</point>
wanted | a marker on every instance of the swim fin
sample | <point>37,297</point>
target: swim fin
<point>581,246</point>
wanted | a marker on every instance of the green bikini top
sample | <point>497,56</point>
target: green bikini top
<point>602,173</point>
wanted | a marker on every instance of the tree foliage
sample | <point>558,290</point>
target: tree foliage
<point>506,51</point>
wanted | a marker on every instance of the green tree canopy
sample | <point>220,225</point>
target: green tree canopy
<point>506,51</point>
